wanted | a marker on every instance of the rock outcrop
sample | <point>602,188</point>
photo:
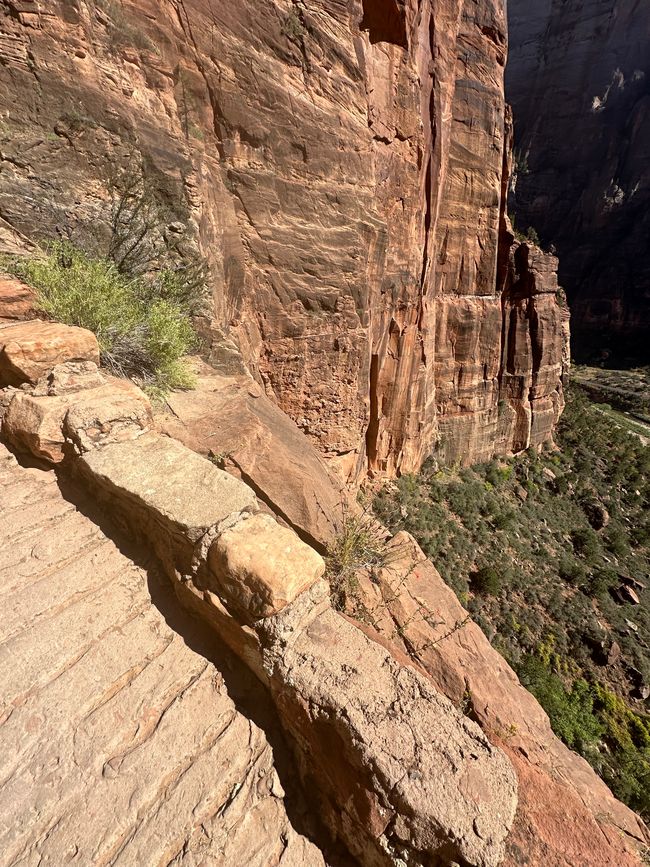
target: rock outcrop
<point>342,167</point>
<point>578,78</point>
<point>398,773</point>
<point>566,816</point>
<point>120,741</point>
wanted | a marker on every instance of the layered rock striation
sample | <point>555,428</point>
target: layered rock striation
<point>578,77</point>
<point>341,166</point>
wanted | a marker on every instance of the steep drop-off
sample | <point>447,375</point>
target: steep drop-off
<point>342,166</point>
<point>578,78</point>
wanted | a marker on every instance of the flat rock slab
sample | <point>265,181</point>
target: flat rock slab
<point>165,478</point>
<point>29,350</point>
<point>120,743</point>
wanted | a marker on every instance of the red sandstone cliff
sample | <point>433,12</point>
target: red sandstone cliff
<point>342,165</point>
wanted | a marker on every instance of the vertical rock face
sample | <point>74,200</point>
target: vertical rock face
<point>579,81</point>
<point>342,167</point>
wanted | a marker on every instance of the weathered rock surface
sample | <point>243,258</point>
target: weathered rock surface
<point>261,567</point>
<point>28,350</point>
<point>16,299</point>
<point>414,779</point>
<point>566,814</point>
<point>578,78</point>
<point>418,783</point>
<point>105,409</point>
<point>229,417</point>
<point>120,743</point>
<point>340,164</point>
<point>169,493</point>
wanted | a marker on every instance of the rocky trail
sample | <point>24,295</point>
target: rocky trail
<point>121,743</point>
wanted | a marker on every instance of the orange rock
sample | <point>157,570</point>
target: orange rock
<point>413,609</point>
<point>17,300</point>
<point>28,350</point>
<point>260,567</point>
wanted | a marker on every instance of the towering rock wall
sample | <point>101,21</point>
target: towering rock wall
<point>342,167</point>
<point>579,80</point>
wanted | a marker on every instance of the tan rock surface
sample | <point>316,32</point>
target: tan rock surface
<point>563,804</point>
<point>229,416</point>
<point>120,742</point>
<point>261,567</point>
<point>399,772</point>
<point>28,350</point>
<point>106,410</point>
<point>167,493</point>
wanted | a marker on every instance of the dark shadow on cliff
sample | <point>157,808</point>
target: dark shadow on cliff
<point>250,697</point>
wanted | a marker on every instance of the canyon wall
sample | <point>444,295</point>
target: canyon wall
<point>578,78</point>
<point>342,166</point>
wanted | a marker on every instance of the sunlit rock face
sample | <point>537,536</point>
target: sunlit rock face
<point>578,78</point>
<point>341,165</point>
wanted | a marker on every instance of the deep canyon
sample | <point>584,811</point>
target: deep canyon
<point>579,81</point>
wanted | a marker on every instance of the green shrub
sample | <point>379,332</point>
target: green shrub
<point>142,333</point>
<point>585,543</point>
<point>570,711</point>
<point>485,581</point>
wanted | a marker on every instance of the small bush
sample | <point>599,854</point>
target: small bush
<point>486,581</point>
<point>359,545</point>
<point>142,333</point>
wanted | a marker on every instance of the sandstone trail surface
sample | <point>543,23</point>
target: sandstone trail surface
<point>394,771</point>
<point>343,168</point>
<point>121,744</point>
<point>578,78</point>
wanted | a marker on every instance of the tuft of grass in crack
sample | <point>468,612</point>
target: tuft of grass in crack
<point>360,545</point>
<point>141,324</point>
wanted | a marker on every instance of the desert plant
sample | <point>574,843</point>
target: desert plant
<point>141,334</point>
<point>361,544</point>
<point>147,239</point>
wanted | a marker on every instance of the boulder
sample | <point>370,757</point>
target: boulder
<point>260,567</point>
<point>17,300</point>
<point>35,425</point>
<point>69,377</point>
<point>28,350</point>
<point>115,410</point>
<point>166,493</point>
<point>399,772</point>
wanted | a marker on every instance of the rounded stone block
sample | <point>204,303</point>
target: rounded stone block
<point>260,567</point>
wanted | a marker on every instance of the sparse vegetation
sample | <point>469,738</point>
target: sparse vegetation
<point>360,545</point>
<point>122,32</point>
<point>142,327</point>
<point>537,547</point>
<point>292,26</point>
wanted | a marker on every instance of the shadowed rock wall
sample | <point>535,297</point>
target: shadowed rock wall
<point>578,78</point>
<point>340,164</point>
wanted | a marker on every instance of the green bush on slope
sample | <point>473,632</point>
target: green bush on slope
<point>142,326</point>
<point>516,540</point>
